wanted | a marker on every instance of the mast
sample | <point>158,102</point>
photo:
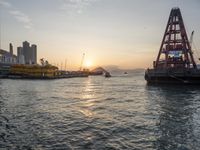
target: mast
<point>65,64</point>
<point>175,50</point>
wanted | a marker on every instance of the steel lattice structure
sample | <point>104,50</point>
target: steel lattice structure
<point>175,50</point>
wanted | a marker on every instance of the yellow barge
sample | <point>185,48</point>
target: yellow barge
<point>34,71</point>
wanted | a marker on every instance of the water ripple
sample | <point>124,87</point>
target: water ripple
<point>97,113</point>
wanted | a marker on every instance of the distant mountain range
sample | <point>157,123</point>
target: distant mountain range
<point>116,68</point>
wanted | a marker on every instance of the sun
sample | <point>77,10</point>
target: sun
<point>88,63</point>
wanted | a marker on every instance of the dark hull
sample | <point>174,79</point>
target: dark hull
<point>173,77</point>
<point>172,80</point>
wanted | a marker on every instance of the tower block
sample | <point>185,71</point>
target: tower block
<point>175,50</point>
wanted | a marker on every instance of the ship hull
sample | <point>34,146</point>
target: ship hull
<point>189,76</point>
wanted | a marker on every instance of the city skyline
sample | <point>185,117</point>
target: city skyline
<point>126,33</point>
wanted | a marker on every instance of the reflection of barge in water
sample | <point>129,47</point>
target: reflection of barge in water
<point>175,62</point>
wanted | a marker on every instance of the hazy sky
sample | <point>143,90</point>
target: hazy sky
<point>126,33</point>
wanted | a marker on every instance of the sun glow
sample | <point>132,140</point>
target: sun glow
<point>88,64</point>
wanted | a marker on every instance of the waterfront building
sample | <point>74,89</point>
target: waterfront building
<point>8,57</point>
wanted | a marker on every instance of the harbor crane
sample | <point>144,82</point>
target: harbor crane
<point>191,41</point>
<point>191,38</point>
<point>82,60</point>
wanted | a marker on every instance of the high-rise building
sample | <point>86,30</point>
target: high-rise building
<point>8,57</point>
<point>20,55</point>
<point>19,51</point>
<point>34,53</point>
<point>29,54</point>
<point>26,52</point>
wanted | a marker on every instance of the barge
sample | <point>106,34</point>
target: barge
<point>175,63</point>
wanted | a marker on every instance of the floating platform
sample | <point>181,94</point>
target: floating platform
<point>175,63</point>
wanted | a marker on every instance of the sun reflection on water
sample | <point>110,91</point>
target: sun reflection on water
<point>87,98</point>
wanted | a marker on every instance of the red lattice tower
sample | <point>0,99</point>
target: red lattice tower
<point>175,50</point>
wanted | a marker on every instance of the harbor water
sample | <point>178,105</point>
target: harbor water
<point>121,112</point>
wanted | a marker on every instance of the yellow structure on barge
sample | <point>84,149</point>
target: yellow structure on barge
<point>34,71</point>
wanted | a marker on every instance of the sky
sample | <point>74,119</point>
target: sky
<point>123,33</point>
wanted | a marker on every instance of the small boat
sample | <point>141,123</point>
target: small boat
<point>107,75</point>
<point>125,72</point>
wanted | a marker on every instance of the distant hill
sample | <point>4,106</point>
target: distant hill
<point>117,69</point>
<point>98,69</point>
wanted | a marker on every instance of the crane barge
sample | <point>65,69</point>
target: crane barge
<point>175,62</point>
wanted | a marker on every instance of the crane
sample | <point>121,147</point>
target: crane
<point>82,60</point>
<point>191,38</point>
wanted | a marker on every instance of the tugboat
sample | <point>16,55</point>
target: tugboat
<point>107,75</point>
<point>175,62</point>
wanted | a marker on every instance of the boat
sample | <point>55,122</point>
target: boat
<point>175,61</point>
<point>23,71</point>
<point>107,75</point>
